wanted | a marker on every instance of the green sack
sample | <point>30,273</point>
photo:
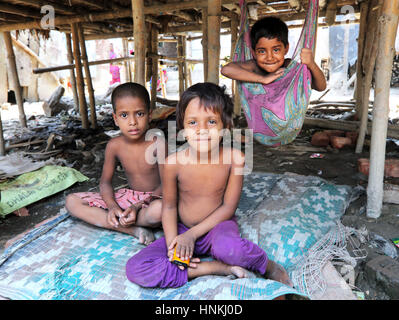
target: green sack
<point>33,186</point>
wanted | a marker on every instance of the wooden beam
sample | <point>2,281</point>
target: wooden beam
<point>386,50</point>
<point>79,77</point>
<point>71,66</point>
<point>214,24</point>
<point>180,64</point>
<point>113,14</point>
<point>12,66</point>
<point>92,101</point>
<point>139,41</point>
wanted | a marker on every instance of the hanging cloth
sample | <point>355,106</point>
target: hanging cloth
<point>276,111</point>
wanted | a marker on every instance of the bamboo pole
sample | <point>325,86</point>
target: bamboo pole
<point>148,46</point>
<point>14,77</point>
<point>2,144</point>
<point>79,77</point>
<point>234,89</point>
<point>128,74</point>
<point>214,23</point>
<point>185,65</point>
<point>360,51</point>
<point>72,66</point>
<point>368,64</point>
<point>205,42</point>
<point>388,24</point>
<point>139,41</point>
<point>331,12</point>
<point>154,81</point>
<point>180,64</point>
<point>161,76</point>
<point>92,100</point>
<point>72,72</point>
<point>3,72</point>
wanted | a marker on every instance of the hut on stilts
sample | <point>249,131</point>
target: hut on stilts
<point>150,21</point>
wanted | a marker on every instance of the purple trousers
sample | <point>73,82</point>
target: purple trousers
<point>151,267</point>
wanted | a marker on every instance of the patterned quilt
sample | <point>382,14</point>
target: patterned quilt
<point>68,259</point>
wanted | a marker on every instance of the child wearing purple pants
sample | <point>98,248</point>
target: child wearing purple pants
<point>201,190</point>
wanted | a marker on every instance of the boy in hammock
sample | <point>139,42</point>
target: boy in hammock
<point>269,41</point>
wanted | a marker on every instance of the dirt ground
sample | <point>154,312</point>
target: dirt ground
<point>337,166</point>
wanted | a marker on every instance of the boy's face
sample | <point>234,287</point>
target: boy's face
<point>132,117</point>
<point>202,127</point>
<point>270,54</point>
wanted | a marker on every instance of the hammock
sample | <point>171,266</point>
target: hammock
<point>276,111</point>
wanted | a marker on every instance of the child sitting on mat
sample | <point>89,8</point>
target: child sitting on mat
<point>201,190</point>
<point>127,210</point>
<point>269,40</point>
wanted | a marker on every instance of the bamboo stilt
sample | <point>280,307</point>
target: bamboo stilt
<point>14,77</point>
<point>139,41</point>
<point>92,100</point>
<point>360,51</point>
<point>3,71</point>
<point>180,64</point>
<point>388,24</point>
<point>72,72</point>
<point>2,144</point>
<point>79,77</point>
<point>205,42</point>
<point>154,81</point>
<point>214,24</point>
<point>234,38</point>
<point>370,55</point>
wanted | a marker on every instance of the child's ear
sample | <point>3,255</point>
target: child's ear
<point>287,48</point>
<point>114,117</point>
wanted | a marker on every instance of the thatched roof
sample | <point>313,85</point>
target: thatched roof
<point>101,18</point>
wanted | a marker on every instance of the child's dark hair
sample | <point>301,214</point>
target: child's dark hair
<point>211,96</point>
<point>130,89</point>
<point>269,28</point>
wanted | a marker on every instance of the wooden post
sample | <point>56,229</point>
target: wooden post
<point>2,144</point>
<point>72,71</point>
<point>214,24</point>
<point>331,12</point>
<point>92,100</point>
<point>234,90</point>
<point>79,77</point>
<point>367,65</point>
<point>139,40</point>
<point>154,81</point>
<point>180,64</point>
<point>128,74</point>
<point>360,50</point>
<point>388,24</point>
<point>185,65</point>
<point>162,78</point>
<point>3,71</point>
<point>12,66</point>
<point>148,46</point>
<point>205,42</point>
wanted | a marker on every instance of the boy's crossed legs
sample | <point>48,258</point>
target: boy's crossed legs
<point>89,207</point>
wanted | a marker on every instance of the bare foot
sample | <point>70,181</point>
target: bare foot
<point>276,272</point>
<point>144,235</point>
<point>239,272</point>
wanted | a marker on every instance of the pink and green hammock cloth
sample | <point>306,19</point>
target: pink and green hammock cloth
<point>276,111</point>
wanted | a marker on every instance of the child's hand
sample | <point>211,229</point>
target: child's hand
<point>113,216</point>
<point>184,246</point>
<point>128,217</point>
<point>307,56</point>
<point>272,76</point>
